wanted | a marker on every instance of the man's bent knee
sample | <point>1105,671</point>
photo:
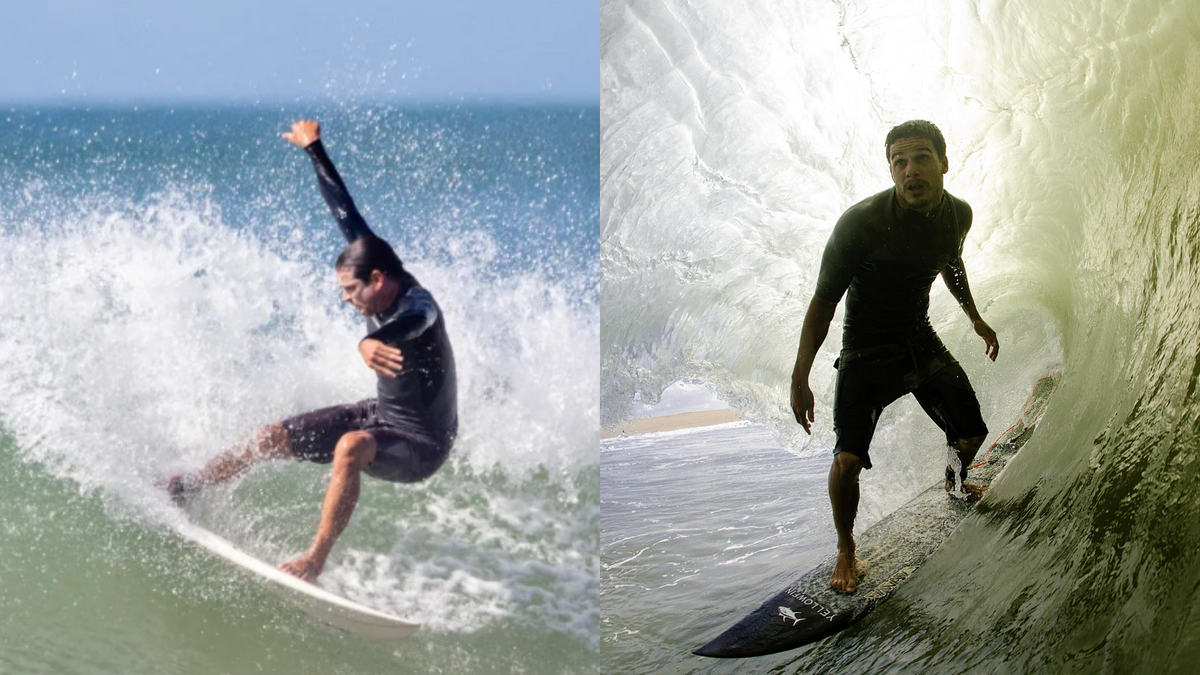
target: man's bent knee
<point>356,448</point>
<point>969,444</point>
<point>847,465</point>
<point>272,442</point>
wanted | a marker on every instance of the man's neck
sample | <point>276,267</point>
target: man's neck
<point>927,212</point>
<point>388,294</point>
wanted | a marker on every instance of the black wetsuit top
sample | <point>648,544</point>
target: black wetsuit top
<point>887,257</point>
<point>422,398</point>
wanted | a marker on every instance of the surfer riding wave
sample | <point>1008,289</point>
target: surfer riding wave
<point>883,256</point>
<point>405,433</point>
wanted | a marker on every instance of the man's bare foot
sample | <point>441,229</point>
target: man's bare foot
<point>972,491</point>
<point>180,489</point>
<point>304,567</point>
<point>844,580</point>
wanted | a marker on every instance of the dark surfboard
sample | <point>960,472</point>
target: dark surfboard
<point>892,550</point>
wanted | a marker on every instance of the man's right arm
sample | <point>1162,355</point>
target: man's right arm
<point>306,134</point>
<point>812,335</point>
<point>844,253</point>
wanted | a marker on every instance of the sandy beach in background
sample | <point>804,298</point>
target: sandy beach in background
<point>686,420</point>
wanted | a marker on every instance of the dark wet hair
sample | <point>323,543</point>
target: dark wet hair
<point>916,129</point>
<point>367,254</point>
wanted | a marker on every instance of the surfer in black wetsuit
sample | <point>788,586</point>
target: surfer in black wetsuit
<point>402,435</point>
<point>883,255</point>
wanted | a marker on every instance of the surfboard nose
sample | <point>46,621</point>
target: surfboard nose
<point>793,618</point>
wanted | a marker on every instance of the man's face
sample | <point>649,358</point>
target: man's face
<point>917,172</point>
<point>357,292</point>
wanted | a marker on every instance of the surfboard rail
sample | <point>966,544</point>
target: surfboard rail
<point>323,605</point>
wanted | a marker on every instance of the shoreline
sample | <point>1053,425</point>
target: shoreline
<point>647,425</point>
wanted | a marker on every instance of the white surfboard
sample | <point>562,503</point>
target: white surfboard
<point>319,603</point>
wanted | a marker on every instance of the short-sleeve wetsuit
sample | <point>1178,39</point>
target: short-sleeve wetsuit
<point>414,417</point>
<point>884,259</point>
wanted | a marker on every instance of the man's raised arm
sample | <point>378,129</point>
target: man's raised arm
<point>306,134</point>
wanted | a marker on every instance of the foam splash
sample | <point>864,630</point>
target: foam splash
<point>139,341</point>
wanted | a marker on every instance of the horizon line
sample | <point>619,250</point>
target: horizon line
<point>156,102</point>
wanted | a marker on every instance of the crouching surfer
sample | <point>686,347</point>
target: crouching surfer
<point>405,432</point>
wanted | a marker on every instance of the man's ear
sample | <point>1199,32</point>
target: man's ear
<point>377,278</point>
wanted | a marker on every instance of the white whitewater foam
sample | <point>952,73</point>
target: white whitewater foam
<point>137,342</point>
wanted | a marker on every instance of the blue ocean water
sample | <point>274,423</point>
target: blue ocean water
<point>166,287</point>
<point>523,175</point>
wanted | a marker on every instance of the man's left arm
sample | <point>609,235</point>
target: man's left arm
<point>418,312</point>
<point>955,276</point>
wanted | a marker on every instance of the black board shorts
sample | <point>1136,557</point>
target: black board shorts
<point>872,378</point>
<point>401,455</point>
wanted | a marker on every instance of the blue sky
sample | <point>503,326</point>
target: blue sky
<point>79,52</point>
